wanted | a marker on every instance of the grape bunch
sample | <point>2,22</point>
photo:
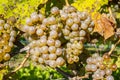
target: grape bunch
<point>46,35</point>
<point>77,26</point>
<point>49,53</point>
<point>73,51</point>
<point>100,67</point>
<point>7,37</point>
<point>43,34</point>
<point>33,27</point>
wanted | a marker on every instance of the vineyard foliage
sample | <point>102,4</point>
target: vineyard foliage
<point>23,8</point>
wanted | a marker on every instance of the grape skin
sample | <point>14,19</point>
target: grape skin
<point>6,57</point>
<point>109,78</point>
<point>54,10</point>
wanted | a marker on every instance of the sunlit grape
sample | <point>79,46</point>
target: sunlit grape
<point>6,57</point>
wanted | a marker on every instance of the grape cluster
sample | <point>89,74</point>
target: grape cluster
<point>46,34</point>
<point>7,37</point>
<point>77,26</point>
<point>73,51</point>
<point>47,51</point>
<point>33,27</point>
<point>43,34</point>
<point>99,67</point>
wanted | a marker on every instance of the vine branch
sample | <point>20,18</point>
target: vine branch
<point>19,67</point>
<point>112,49</point>
<point>79,77</point>
<point>65,74</point>
<point>23,62</point>
<point>67,3</point>
<point>111,14</point>
<point>71,77</point>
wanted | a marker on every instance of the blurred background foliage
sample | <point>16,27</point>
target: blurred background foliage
<point>37,73</point>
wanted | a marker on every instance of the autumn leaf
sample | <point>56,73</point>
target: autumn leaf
<point>99,27</point>
<point>104,26</point>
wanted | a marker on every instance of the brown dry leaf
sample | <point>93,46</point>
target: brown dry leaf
<point>104,26</point>
<point>108,28</point>
<point>99,27</point>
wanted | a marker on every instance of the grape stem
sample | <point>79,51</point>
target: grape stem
<point>5,77</point>
<point>70,77</point>
<point>114,46</point>
<point>79,77</point>
<point>111,14</point>
<point>96,48</point>
<point>23,62</point>
<point>65,74</point>
<point>67,3</point>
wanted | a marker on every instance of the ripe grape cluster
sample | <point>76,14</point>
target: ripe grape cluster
<point>99,67</point>
<point>43,34</point>
<point>46,34</point>
<point>7,37</point>
<point>77,26</point>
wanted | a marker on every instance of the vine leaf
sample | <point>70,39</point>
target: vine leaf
<point>104,26</point>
